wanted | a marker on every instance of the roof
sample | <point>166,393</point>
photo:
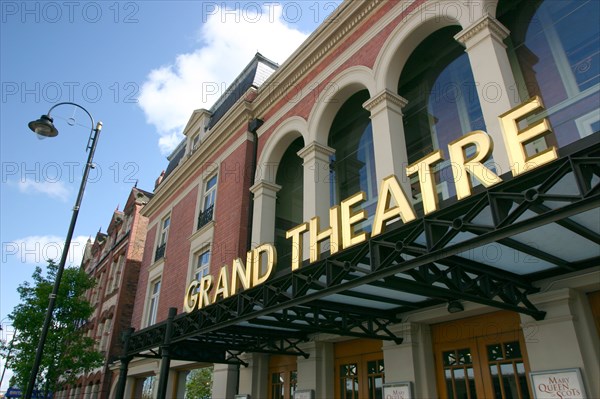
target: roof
<point>253,75</point>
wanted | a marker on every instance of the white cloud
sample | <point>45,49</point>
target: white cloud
<point>229,41</point>
<point>54,189</point>
<point>37,250</point>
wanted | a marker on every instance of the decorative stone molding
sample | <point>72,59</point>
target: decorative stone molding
<point>480,29</point>
<point>315,149</point>
<point>385,99</point>
<point>264,187</point>
<point>320,50</point>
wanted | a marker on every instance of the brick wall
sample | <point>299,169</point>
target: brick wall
<point>140,295</point>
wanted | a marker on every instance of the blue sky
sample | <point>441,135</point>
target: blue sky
<point>140,67</point>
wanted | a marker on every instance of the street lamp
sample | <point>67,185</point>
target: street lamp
<point>45,127</point>
<point>10,347</point>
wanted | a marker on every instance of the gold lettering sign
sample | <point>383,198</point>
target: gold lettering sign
<point>248,275</point>
<point>392,204</point>
<point>515,139</point>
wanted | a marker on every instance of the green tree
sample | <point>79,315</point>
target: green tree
<point>199,384</point>
<point>68,352</point>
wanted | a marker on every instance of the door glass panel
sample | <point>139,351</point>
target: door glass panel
<point>349,381</point>
<point>503,360</point>
<point>293,382</point>
<point>449,387</point>
<point>277,385</point>
<point>375,370</point>
<point>460,382</point>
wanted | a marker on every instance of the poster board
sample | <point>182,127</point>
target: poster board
<point>557,384</point>
<point>398,390</point>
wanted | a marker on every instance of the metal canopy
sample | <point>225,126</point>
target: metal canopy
<point>489,248</point>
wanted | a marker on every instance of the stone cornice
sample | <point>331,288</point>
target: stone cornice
<point>483,27</point>
<point>318,45</point>
<point>238,115</point>
<point>385,98</point>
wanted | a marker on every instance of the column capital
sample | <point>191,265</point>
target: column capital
<point>315,149</point>
<point>385,99</point>
<point>263,187</point>
<point>484,27</point>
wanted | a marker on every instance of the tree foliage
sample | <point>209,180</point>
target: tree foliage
<point>199,384</point>
<point>68,351</point>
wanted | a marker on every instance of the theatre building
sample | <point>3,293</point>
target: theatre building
<point>407,207</point>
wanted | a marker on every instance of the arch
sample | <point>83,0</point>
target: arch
<point>417,27</point>
<point>341,88</point>
<point>277,144</point>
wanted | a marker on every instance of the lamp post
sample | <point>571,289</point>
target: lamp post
<point>10,347</point>
<point>45,127</point>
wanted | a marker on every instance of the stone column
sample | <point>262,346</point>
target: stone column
<point>389,141</point>
<point>263,227</point>
<point>412,360</point>
<point>317,372</point>
<point>254,379</point>
<point>225,377</point>
<point>494,79</point>
<point>316,180</point>
<point>316,186</point>
<point>566,338</point>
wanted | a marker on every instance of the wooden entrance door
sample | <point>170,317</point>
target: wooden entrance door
<point>359,370</point>
<point>283,377</point>
<point>480,364</point>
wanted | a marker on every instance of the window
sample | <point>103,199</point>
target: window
<point>443,104</point>
<point>195,142</point>
<point>553,51</point>
<point>353,164</point>
<point>114,275</point>
<point>210,192</point>
<point>117,273</point>
<point>288,210</point>
<point>208,205</point>
<point>105,334</point>
<point>202,265</point>
<point>153,303</point>
<point>164,235</point>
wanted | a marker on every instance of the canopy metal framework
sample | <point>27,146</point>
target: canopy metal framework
<point>490,248</point>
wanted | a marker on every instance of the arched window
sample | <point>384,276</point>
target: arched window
<point>289,208</point>
<point>554,50</point>
<point>353,164</point>
<point>438,83</point>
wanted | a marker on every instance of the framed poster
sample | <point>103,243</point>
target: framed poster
<point>398,390</point>
<point>242,396</point>
<point>557,384</point>
<point>304,394</point>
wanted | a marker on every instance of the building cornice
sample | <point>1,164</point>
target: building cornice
<point>308,55</point>
<point>237,117</point>
<point>311,52</point>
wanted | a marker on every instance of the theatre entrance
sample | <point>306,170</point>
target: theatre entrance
<point>359,369</point>
<point>482,357</point>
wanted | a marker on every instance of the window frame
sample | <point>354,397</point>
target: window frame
<point>201,268</point>
<point>152,302</point>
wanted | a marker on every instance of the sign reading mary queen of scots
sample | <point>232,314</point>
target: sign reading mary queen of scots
<point>392,204</point>
<point>558,384</point>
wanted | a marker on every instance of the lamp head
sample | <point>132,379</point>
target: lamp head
<point>44,126</point>
<point>455,307</point>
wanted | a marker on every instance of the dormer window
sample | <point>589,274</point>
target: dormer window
<point>195,142</point>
